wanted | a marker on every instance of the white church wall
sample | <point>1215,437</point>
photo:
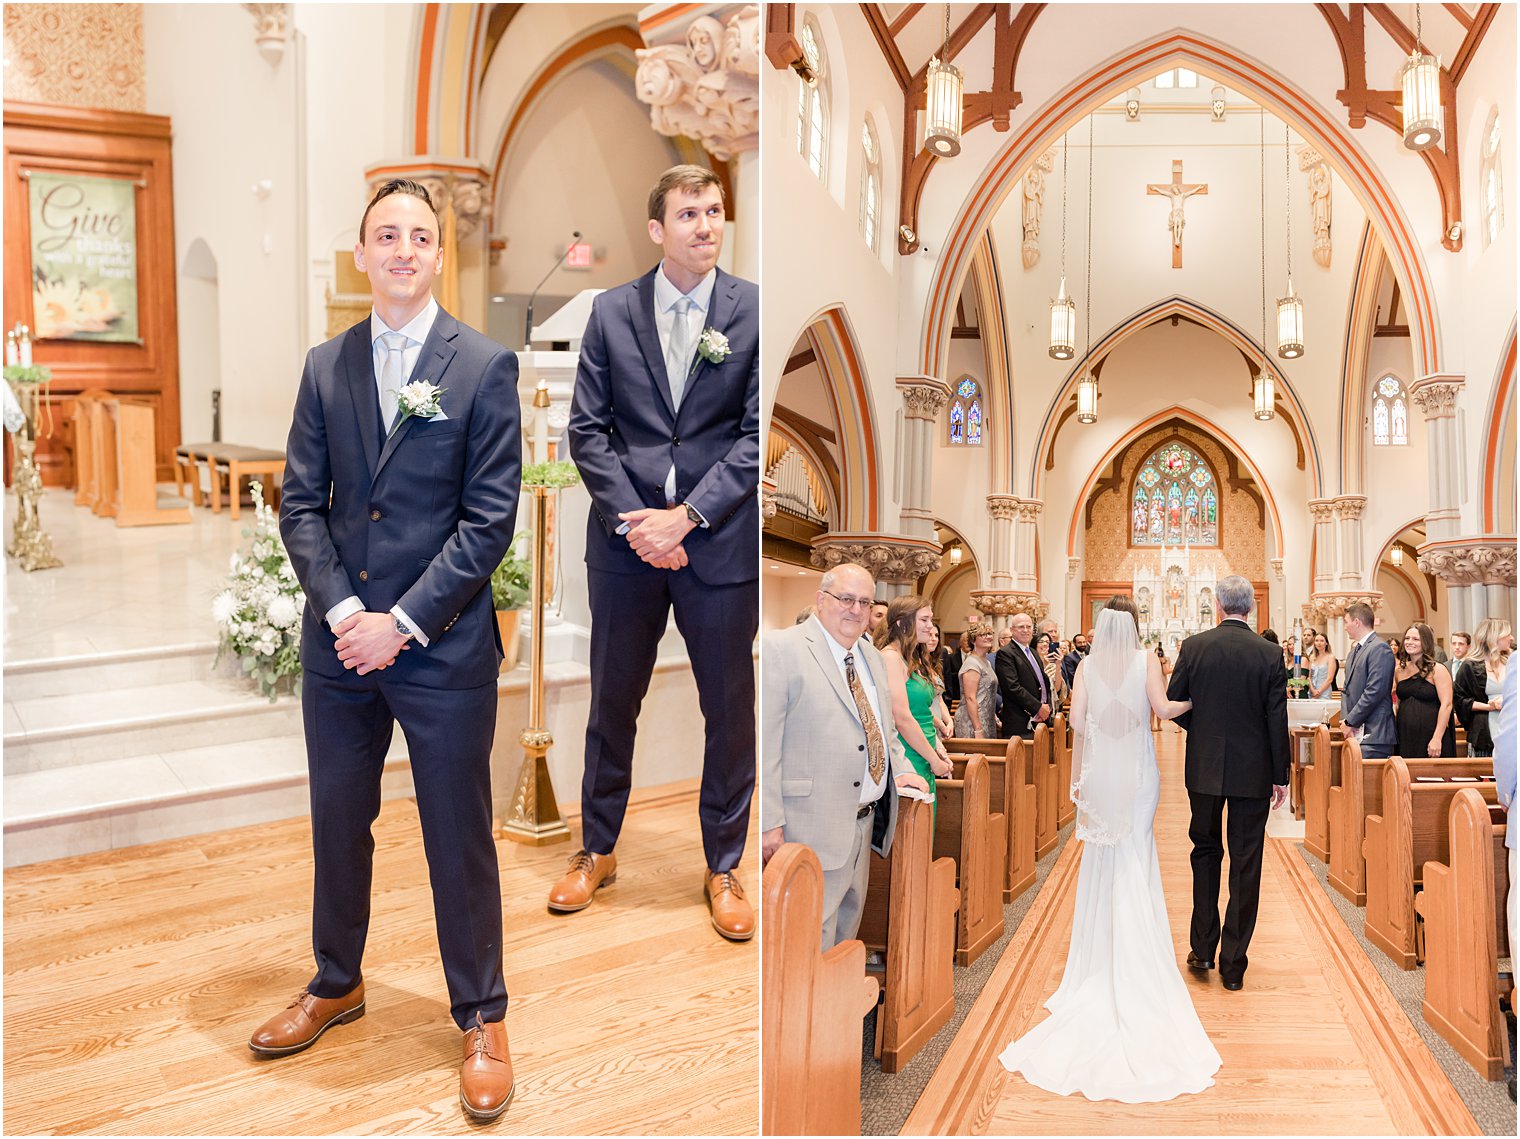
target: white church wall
<point>1397,483</point>
<point>813,255</point>
<point>962,479</point>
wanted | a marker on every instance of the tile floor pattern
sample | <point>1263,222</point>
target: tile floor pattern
<point>1488,1100</point>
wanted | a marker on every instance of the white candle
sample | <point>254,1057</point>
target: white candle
<point>26,350</point>
<point>541,427</point>
<point>12,353</point>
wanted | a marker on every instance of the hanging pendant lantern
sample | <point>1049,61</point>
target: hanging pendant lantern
<point>1264,394</point>
<point>1420,80</point>
<point>943,88</point>
<point>1087,399</point>
<point>1063,325</point>
<point>1396,555</point>
<point>1290,324</point>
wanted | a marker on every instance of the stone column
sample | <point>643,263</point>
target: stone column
<point>1002,508</point>
<point>1436,397</point>
<point>1026,574</point>
<point>1479,574</point>
<point>923,398</point>
<point>700,76</point>
<point>1322,510</point>
<point>1348,509</point>
<point>896,561</point>
<point>458,189</point>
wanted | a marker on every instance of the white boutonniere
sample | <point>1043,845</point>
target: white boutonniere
<point>712,346</point>
<point>419,398</point>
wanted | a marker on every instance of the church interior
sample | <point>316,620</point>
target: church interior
<point>157,840</point>
<point>1126,298</point>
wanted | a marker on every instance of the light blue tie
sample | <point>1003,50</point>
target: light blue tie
<point>678,350</point>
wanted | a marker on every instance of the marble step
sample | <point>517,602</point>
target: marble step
<point>99,671</point>
<point>88,807</point>
<point>95,721</point>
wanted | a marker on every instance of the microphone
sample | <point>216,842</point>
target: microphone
<point>528,333</point>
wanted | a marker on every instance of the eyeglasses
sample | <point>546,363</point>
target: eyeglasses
<point>850,602</point>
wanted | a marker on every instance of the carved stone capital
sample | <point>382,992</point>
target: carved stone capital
<point>896,561</point>
<point>1322,509</point>
<point>923,397</point>
<point>767,498</point>
<point>1001,603</point>
<point>1350,507</point>
<point>1003,507</point>
<point>1277,568</point>
<point>700,76</point>
<point>456,183</point>
<point>271,29</point>
<point>1471,561</point>
<point>1029,510</point>
<point>1436,396</point>
<point>1073,567</point>
<point>1327,605</point>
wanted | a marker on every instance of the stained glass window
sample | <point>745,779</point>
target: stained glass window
<point>870,188</point>
<point>812,117</point>
<point>1174,499</point>
<point>966,414</point>
<point>1490,181</point>
<point>1390,414</point>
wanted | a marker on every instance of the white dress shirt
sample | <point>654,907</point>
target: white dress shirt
<point>870,789</point>
<point>665,297</point>
<point>416,332</point>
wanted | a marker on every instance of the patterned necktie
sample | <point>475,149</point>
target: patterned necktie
<point>678,350</point>
<point>392,377</point>
<point>1351,658</point>
<point>1038,672</point>
<point>875,747</point>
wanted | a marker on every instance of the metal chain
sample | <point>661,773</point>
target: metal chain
<point>945,50</point>
<point>1262,120</point>
<point>1065,142</point>
<point>1418,31</point>
<point>1088,307</point>
<point>1288,183</point>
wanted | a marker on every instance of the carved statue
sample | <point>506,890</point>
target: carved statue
<point>1034,201</point>
<point>703,37</point>
<point>706,85</point>
<point>1319,204</point>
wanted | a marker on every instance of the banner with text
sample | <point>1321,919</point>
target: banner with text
<point>84,258</point>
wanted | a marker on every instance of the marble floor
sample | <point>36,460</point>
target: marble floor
<point>119,588</point>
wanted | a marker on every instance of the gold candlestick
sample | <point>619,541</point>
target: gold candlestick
<point>535,814</point>
<point>30,545</point>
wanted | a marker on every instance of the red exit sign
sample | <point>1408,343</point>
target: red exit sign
<point>579,256</point>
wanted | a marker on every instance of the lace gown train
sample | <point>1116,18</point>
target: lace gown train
<point>1122,1024</point>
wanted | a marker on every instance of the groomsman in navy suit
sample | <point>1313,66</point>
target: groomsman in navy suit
<point>665,428</point>
<point>400,496</point>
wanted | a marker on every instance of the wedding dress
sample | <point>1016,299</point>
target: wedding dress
<point>1122,1025</point>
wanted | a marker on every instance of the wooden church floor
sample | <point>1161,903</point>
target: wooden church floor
<point>1313,1045</point>
<point>134,977</point>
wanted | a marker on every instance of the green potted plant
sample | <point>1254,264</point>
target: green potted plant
<point>1298,687</point>
<point>511,589</point>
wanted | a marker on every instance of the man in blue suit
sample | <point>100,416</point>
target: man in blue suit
<point>665,428</point>
<point>1367,699</point>
<point>400,496</point>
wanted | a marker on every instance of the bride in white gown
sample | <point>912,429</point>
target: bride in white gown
<point>1122,1025</point>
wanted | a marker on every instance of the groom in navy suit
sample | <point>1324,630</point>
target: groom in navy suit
<point>665,428</point>
<point>400,496</point>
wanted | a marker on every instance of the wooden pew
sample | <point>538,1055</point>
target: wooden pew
<point>814,1003</point>
<point>1048,791</point>
<point>1012,796</point>
<point>910,916</point>
<point>1361,794</point>
<point>967,831</point>
<point>1323,774</point>
<point>86,474</point>
<point>1066,810</point>
<point>1466,934</point>
<point>1411,830</point>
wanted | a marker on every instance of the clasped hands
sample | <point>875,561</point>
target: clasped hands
<point>656,535</point>
<point>369,641</point>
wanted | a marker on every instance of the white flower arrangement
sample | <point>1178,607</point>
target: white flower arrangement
<point>712,346</point>
<point>258,614</point>
<point>420,398</point>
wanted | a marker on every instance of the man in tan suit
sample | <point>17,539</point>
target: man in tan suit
<point>829,750</point>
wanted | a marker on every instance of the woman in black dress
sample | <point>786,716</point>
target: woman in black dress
<point>1425,723</point>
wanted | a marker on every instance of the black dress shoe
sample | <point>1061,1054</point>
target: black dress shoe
<point>1197,965</point>
<point>1234,984</point>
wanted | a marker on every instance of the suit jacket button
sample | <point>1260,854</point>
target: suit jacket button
<point>677,440</point>
<point>364,575</point>
<point>860,747</point>
<point>374,516</point>
<point>857,782</point>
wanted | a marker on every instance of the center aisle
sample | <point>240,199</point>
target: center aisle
<point>1314,1043</point>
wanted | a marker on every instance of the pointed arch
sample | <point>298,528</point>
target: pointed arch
<point>1224,64</point>
<point>1498,486</point>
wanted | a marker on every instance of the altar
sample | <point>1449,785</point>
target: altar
<point>1175,596</point>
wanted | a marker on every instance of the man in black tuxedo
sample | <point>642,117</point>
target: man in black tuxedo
<point>665,429</point>
<point>1237,757</point>
<point>1021,680</point>
<point>1079,647</point>
<point>400,496</point>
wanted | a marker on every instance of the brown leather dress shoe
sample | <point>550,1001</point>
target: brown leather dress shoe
<point>587,874</point>
<point>732,915</point>
<point>485,1080</point>
<point>304,1019</point>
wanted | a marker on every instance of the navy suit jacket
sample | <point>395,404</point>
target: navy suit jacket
<point>1237,732</point>
<point>421,518</point>
<point>624,432</point>
<point>1367,699</point>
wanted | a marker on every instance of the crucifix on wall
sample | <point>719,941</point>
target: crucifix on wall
<point>1178,193</point>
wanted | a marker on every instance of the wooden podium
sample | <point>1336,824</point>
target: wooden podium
<point>117,466</point>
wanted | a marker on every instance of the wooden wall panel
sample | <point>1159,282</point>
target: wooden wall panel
<point>108,144</point>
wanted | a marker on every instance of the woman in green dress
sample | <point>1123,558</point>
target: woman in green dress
<point>904,643</point>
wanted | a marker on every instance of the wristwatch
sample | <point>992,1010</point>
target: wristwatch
<point>694,514</point>
<point>401,629</point>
